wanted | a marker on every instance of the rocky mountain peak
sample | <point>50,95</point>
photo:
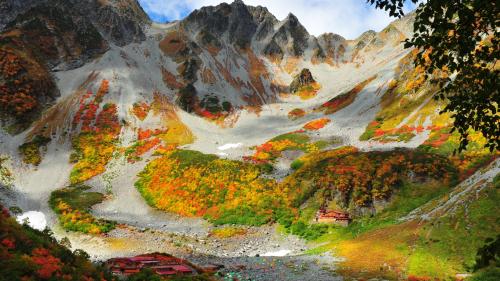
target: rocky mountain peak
<point>262,14</point>
<point>292,19</point>
<point>233,21</point>
<point>238,3</point>
<point>240,25</point>
<point>366,36</point>
<point>364,39</point>
<point>291,37</point>
<point>293,25</point>
<point>331,37</point>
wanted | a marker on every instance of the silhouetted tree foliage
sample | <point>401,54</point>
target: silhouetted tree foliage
<point>460,38</point>
<point>489,254</point>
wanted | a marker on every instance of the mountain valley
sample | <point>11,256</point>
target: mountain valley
<point>220,139</point>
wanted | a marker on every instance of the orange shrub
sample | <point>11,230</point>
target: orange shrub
<point>140,148</point>
<point>95,144</point>
<point>270,150</point>
<point>309,91</point>
<point>103,90</point>
<point>316,124</point>
<point>141,110</point>
<point>296,113</point>
<point>343,100</point>
<point>23,84</point>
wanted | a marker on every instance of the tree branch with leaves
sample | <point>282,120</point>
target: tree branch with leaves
<point>459,38</point>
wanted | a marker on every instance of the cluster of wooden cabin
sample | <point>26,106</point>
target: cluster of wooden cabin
<point>335,217</point>
<point>163,265</point>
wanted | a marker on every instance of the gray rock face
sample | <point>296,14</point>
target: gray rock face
<point>119,21</point>
<point>234,21</point>
<point>10,9</point>
<point>58,36</point>
<point>243,25</point>
<point>329,41</point>
<point>121,25</point>
<point>265,20</point>
<point>247,26</point>
<point>333,45</point>
<point>364,39</point>
<point>290,38</point>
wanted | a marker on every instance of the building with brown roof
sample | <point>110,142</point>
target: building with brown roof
<point>332,217</point>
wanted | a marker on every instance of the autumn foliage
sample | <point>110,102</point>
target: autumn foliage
<point>227,232</point>
<point>141,110</point>
<point>28,254</point>
<point>364,177</point>
<point>173,44</point>
<point>317,124</point>
<point>272,149</point>
<point>48,265</point>
<point>16,93</point>
<point>190,183</point>
<point>134,152</point>
<point>441,141</point>
<point>96,142</point>
<point>308,91</point>
<point>296,113</point>
<point>343,100</point>
<point>407,107</point>
<point>23,84</point>
<point>171,80</point>
<point>72,206</point>
<point>32,150</point>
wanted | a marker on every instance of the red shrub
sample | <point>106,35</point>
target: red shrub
<point>8,243</point>
<point>49,265</point>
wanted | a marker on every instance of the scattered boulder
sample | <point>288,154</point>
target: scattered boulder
<point>305,78</point>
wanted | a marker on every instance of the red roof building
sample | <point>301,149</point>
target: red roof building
<point>336,217</point>
<point>161,264</point>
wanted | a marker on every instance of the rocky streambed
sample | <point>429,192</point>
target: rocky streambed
<point>261,254</point>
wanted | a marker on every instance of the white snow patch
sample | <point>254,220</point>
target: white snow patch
<point>280,253</point>
<point>228,146</point>
<point>34,219</point>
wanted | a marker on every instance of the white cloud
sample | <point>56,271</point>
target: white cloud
<point>348,18</point>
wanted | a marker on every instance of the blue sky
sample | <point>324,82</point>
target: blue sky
<point>348,18</point>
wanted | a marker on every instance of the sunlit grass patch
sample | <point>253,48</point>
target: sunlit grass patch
<point>308,91</point>
<point>31,151</point>
<point>73,204</point>
<point>227,232</point>
<point>272,149</point>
